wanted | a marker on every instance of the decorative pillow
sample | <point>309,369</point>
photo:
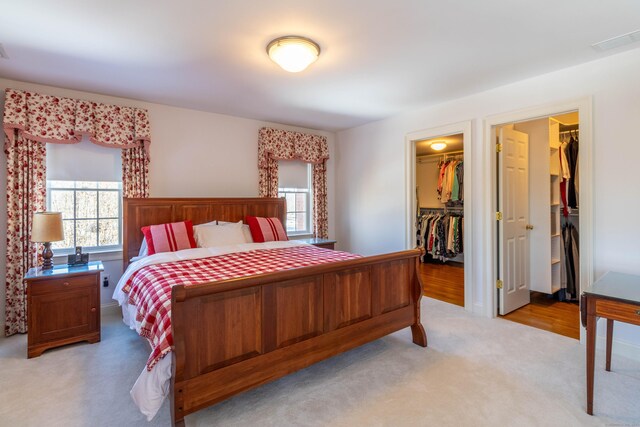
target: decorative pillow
<point>266,229</point>
<point>169,237</point>
<point>208,236</point>
<point>245,229</point>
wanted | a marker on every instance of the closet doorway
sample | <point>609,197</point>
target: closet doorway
<point>538,229</point>
<point>438,199</point>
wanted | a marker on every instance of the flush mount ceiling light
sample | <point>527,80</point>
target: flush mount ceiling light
<point>438,145</point>
<point>293,53</point>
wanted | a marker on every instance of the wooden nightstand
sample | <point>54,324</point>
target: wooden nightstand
<point>321,243</point>
<point>63,306</point>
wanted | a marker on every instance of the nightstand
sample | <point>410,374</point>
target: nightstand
<point>63,306</point>
<point>321,243</point>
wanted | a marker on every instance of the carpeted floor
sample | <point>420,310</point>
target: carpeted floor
<point>476,372</point>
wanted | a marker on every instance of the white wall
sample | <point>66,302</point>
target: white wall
<point>371,167</point>
<point>193,154</point>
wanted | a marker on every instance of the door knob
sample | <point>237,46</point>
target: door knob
<point>529,227</point>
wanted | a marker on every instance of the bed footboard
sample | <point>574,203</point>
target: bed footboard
<point>235,335</point>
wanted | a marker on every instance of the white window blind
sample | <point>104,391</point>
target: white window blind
<point>294,184</point>
<point>84,161</point>
<point>293,174</point>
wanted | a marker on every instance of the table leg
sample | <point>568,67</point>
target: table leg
<point>609,342</point>
<point>591,354</point>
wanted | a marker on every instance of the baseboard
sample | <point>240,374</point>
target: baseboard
<point>478,309</point>
<point>620,348</point>
<point>110,308</point>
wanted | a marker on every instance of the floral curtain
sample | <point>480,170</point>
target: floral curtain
<point>30,121</point>
<point>277,144</point>
<point>135,172</point>
<point>26,189</point>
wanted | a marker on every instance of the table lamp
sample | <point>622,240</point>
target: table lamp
<point>47,228</point>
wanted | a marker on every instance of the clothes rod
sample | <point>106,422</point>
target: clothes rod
<point>445,208</point>
<point>451,153</point>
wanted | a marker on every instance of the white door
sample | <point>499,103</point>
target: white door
<point>513,196</point>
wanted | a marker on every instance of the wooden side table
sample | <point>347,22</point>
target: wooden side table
<point>615,296</point>
<point>63,306</point>
<point>321,243</point>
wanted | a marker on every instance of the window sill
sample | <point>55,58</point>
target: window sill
<point>112,255</point>
<point>300,236</point>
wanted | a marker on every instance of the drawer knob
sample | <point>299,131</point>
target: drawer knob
<point>66,283</point>
<point>93,309</point>
<point>638,312</point>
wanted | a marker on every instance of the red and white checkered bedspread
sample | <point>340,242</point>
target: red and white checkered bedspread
<point>149,288</point>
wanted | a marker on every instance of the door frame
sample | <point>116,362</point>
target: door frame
<point>463,128</point>
<point>584,106</point>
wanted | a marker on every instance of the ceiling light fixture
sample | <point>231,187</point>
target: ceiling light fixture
<point>293,53</point>
<point>438,145</point>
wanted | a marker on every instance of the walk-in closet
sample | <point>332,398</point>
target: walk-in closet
<point>440,216</point>
<point>539,227</point>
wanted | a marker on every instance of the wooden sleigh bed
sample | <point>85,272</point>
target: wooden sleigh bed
<point>234,335</point>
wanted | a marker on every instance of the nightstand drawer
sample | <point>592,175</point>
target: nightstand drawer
<point>617,310</point>
<point>62,284</point>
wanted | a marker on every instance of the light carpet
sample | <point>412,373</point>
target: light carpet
<point>475,372</point>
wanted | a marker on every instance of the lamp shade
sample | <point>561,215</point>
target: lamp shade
<point>293,53</point>
<point>47,227</point>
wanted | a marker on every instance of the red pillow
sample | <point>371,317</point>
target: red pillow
<point>266,229</point>
<point>169,237</point>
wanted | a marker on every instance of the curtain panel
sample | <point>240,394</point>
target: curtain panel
<point>278,144</point>
<point>30,121</point>
<point>26,190</point>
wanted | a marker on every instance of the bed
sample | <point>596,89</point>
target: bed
<point>233,335</point>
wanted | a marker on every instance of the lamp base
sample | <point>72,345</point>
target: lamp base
<point>47,255</point>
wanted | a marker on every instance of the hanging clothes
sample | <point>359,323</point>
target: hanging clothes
<point>572,159</point>
<point>450,181</point>
<point>565,174</point>
<point>571,260</point>
<point>440,235</point>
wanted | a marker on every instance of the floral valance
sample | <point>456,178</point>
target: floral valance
<point>47,118</point>
<point>280,144</point>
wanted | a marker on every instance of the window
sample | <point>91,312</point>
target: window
<point>295,186</point>
<point>84,183</point>
<point>91,213</point>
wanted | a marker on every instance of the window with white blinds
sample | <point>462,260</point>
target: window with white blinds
<point>294,184</point>
<point>84,182</point>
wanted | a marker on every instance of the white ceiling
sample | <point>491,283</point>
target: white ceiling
<point>379,57</point>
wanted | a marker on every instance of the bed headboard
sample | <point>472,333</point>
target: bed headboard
<point>138,213</point>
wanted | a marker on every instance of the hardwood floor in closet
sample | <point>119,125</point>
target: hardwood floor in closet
<point>444,282</point>
<point>551,315</point>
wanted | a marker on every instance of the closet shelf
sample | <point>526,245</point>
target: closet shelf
<point>555,235</point>
<point>555,261</point>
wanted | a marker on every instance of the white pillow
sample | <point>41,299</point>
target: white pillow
<point>245,229</point>
<point>247,233</point>
<point>144,251</point>
<point>208,236</point>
